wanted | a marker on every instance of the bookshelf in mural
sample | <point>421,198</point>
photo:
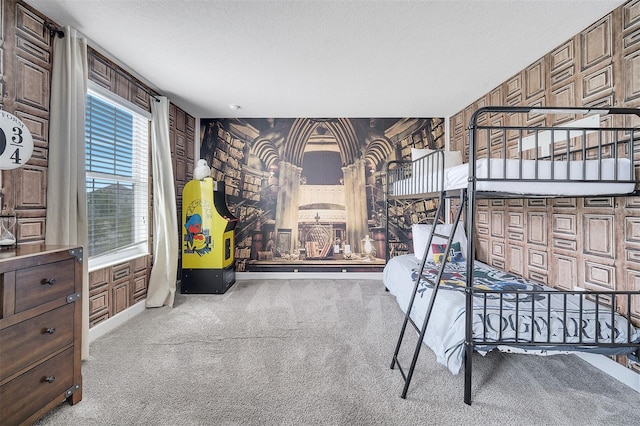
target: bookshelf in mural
<point>313,189</point>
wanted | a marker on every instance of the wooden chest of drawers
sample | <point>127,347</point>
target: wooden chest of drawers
<point>40,330</point>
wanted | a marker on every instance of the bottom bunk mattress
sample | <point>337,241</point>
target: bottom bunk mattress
<point>506,309</point>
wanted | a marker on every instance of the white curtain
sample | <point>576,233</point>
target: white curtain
<point>162,283</point>
<point>66,187</point>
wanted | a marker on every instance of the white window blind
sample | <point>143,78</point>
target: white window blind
<point>117,140</point>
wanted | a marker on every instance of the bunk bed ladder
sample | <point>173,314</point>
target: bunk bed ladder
<point>436,284</point>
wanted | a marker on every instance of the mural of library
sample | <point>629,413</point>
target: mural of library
<point>309,193</point>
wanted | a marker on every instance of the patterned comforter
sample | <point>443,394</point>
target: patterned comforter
<point>509,312</point>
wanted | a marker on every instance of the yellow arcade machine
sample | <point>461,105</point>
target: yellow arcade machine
<point>207,238</point>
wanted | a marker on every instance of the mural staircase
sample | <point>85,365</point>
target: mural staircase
<point>262,211</point>
<point>400,215</point>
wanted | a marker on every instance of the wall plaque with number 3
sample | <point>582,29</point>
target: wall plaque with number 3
<point>16,142</point>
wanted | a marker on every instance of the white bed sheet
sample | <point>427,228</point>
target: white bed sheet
<point>457,178</point>
<point>446,330</point>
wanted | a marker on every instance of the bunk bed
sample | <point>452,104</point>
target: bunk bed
<point>491,309</point>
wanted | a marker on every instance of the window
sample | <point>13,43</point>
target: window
<point>117,140</point>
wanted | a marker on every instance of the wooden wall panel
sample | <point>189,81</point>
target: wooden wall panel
<point>562,244</point>
<point>633,278</point>
<point>100,71</point>
<point>124,88</point>
<point>31,26</point>
<point>141,97</point>
<point>563,95</point>
<point>31,192</point>
<point>596,43</point>
<point>483,216</point>
<point>534,77</point>
<point>497,249</point>
<point>31,229</point>
<point>38,126</point>
<point>630,62</point>
<point>562,63</point>
<point>538,276</point>
<point>537,228</point>
<point>632,230</point>
<point>562,78</point>
<point>598,235</point>
<point>516,263</point>
<point>496,97</point>
<point>515,226</point>
<point>513,91</point>
<point>2,52</point>
<point>482,249</point>
<point>189,144</point>
<point>564,225</point>
<point>631,76</point>
<point>497,224</point>
<point>597,84</point>
<point>566,271</point>
<point>26,72</point>
<point>537,259</point>
<point>598,276</point>
<point>119,297</point>
<point>32,86</point>
<point>180,169</point>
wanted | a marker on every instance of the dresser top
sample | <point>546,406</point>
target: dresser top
<point>25,251</point>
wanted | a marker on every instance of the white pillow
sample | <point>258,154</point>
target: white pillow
<point>421,234</point>
<point>452,158</point>
<point>417,153</point>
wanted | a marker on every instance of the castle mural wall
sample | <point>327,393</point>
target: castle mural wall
<point>309,193</point>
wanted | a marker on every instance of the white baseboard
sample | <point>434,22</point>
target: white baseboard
<point>115,321</point>
<point>614,369</point>
<point>308,275</point>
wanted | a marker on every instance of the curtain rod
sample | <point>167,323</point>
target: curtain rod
<point>54,31</point>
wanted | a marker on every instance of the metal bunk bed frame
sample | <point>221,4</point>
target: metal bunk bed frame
<point>467,207</point>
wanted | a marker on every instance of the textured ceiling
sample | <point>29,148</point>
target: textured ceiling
<point>325,58</point>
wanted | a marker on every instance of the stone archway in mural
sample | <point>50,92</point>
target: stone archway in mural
<point>298,201</point>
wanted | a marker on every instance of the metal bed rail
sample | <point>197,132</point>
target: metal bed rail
<point>596,323</point>
<point>423,176</point>
<point>566,152</point>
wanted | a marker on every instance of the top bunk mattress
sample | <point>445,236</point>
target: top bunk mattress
<point>528,177</point>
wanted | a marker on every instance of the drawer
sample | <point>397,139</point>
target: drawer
<point>29,392</point>
<point>25,343</point>
<point>44,283</point>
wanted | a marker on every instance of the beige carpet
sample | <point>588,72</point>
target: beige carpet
<point>317,352</point>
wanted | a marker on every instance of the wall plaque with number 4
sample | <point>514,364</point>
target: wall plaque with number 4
<point>16,142</point>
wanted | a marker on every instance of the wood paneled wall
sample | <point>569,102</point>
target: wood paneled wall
<point>25,76</point>
<point>591,243</point>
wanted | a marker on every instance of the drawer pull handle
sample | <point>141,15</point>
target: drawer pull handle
<point>50,379</point>
<point>50,281</point>
<point>50,330</point>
